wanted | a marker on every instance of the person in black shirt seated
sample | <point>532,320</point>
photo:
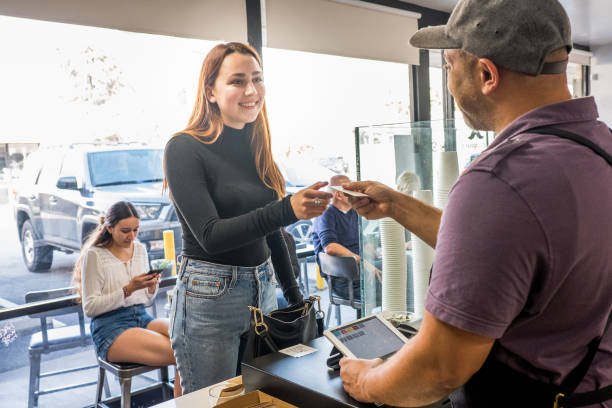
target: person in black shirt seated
<point>336,232</point>
<point>229,196</point>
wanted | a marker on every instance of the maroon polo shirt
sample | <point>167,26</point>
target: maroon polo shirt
<point>524,251</point>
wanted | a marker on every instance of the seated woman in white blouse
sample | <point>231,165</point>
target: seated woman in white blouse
<point>111,275</point>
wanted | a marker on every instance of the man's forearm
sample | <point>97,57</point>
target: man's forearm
<point>417,217</point>
<point>435,362</point>
<point>336,249</point>
<point>404,381</point>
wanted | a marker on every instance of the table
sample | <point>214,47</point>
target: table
<point>303,255</point>
<point>304,382</point>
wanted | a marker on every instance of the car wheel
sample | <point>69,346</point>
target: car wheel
<point>36,258</point>
<point>301,232</point>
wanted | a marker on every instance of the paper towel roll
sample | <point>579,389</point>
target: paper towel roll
<point>445,176</point>
<point>393,243</point>
<point>422,259</point>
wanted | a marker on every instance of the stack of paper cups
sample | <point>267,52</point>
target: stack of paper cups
<point>393,242</point>
<point>445,176</point>
<point>422,259</point>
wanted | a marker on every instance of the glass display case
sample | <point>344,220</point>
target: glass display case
<point>422,159</point>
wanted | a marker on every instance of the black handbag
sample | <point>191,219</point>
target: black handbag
<point>284,327</point>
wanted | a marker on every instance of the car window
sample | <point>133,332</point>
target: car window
<point>51,167</point>
<point>125,166</point>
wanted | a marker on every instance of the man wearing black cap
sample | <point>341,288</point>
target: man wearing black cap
<point>520,301</point>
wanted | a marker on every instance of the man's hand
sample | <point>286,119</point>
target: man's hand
<point>378,204</point>
<point>353,373</point>
<point>416,216</point>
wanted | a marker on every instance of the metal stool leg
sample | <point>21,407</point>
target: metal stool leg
<point>164,379</point>
<point>328,315</point>
<point>106,387</point>
<point>304,269</point>
<point>126,392</point>
<point>338,317</point>
<point>101,384</point>
<point>34,380</point>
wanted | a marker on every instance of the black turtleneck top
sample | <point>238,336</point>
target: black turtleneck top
<point>227,214</point>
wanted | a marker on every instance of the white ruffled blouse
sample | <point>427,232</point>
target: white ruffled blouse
<point>103,277</point>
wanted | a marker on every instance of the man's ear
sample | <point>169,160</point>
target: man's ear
<point>210,95</point>
<point>489,75</point>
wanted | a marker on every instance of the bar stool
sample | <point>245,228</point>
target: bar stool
<point>124,373</point>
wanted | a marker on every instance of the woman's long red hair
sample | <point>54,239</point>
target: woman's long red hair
<point>206,124</point>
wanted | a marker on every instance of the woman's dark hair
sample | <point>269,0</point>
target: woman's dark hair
<point>100,236</point>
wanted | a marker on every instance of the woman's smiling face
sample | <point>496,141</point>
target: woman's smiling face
<point>238,90</point>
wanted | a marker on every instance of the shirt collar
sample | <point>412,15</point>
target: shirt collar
<point>572,111</point>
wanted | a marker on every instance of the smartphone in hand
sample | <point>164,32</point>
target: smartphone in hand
<point>155,271</point>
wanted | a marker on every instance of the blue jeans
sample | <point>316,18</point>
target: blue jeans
<point>105,328</point>
<point>209,317</point>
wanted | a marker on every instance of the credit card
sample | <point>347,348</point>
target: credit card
<point>349,192</point>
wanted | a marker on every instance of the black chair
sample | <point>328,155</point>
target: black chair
<point>124,373</point>
<point>344,267</point>
<point>50,339</point>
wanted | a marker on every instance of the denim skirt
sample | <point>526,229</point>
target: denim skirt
<point>209,317</point>
<point>106,327</point>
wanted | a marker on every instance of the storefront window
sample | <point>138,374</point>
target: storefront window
<point>436,85</point>
<point>315,102</point>
<point>575,80</point>
<point>67,86</point>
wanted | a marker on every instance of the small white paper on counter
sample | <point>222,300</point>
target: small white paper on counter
<point>299,350</point>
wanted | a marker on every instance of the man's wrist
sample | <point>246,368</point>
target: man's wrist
<point>394,205</point>
<point>126,291</point>
<point>369,384</point>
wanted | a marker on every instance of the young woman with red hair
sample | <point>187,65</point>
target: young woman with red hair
<point>230,198</point>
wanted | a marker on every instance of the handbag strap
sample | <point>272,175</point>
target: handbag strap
<point>566,398</point>
<point>261,328</point>
<point>265,336</point>
<point>319,313</point>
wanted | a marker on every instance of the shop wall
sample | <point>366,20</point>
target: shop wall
<point>601,84</point>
